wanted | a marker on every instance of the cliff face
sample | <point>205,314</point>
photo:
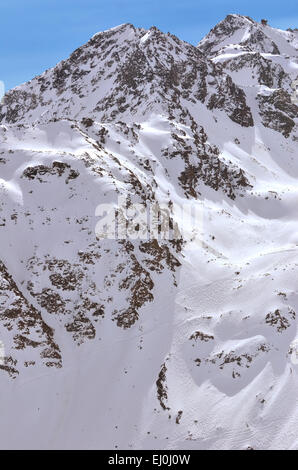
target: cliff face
<point>175,334</point>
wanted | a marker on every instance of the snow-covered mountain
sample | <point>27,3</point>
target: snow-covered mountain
<point>165,339</point>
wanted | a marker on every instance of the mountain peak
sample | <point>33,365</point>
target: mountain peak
<point>119,28</point>
<point>127,72</point>
<point>148,231</point>
<point>249,35</point>
<point>241,18</point>
<point>124,29</point>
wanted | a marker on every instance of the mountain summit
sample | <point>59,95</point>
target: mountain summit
<point>248,35</point>
<point>126,73</point>
<point>148,227</point>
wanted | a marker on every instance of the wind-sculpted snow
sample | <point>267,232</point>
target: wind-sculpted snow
<point>148,228</point>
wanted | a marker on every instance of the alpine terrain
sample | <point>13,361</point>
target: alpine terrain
<point>179,333</point>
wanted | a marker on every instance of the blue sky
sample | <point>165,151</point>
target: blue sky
<point>36,34</point>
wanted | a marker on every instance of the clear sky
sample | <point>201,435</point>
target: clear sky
<point>36,34</point>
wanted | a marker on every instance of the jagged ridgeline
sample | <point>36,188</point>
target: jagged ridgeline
<point>107,97</point>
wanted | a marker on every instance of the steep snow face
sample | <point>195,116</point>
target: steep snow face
<point>159,338</point>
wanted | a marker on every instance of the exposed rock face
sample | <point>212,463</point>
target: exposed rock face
<point>22,326</point>
<point>148,279</point>
<point>247,34</point>
<point>278,112</point>
<point>259,56</point>
<point>123,74</point>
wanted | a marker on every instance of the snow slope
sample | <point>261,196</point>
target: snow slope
<point>150,341</point>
